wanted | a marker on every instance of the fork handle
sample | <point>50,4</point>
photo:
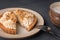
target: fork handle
<point>50,31</point>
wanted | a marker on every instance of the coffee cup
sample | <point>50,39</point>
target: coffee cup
<point>54,13</point>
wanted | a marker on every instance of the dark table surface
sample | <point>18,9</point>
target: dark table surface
<point>42,7</point>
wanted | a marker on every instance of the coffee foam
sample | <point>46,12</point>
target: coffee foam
<point>57,9</point>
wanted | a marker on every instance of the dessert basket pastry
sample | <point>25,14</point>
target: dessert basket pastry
<point>26,19</point>
<point>8,22</point>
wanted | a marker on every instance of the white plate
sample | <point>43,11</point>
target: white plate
<point>22,32</point>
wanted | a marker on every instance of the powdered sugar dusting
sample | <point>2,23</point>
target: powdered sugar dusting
<point>7,23</point>
<point>28,19</point>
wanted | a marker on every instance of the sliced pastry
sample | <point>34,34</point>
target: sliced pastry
<point>8,22</point>
<point>26,19</point>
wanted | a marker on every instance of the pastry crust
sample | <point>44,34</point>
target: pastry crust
<point>31,26</point>
<point>7,30</point>
<point>9,16</point>
<point>23,16</point>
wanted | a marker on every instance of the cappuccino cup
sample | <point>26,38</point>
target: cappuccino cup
<point>54,13</point>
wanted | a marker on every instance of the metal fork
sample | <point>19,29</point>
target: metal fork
<point>48,29</point>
